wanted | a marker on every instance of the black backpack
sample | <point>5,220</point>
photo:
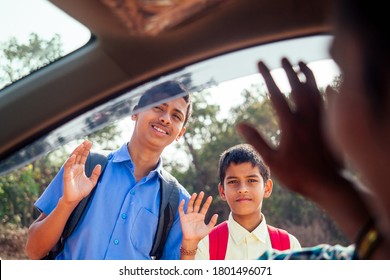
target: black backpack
<point>169,202</point>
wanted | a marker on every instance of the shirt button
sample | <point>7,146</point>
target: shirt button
<point>116,241</point>
<point>124,216</point>
<point>132,192</point>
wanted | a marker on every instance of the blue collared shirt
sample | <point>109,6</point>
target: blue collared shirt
<point>121,220</point>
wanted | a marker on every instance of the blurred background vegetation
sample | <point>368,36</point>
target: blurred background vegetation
<point>207,136</point>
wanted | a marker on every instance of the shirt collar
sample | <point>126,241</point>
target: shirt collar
<point>122,155</point>
<point>239,233</point>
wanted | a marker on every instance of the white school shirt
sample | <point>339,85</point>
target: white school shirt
<point>242,244</point>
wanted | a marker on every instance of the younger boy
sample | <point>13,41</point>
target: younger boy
<point>244,182</point>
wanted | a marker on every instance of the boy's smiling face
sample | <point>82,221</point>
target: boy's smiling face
<point>244,189</point>
<point>160,125</point>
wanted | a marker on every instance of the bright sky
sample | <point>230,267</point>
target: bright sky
<point>19,18</point>
<point>324,72</point>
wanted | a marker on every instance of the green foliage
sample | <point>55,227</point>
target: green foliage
<point>21,188</point>
<point>18,60</point>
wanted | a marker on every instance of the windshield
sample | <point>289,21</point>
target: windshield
<point>34,34</point>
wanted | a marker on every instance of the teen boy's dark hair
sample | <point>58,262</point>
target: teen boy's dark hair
<point>164,91</point>
<point>238,154</point>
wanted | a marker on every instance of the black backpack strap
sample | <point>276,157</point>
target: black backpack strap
<point>92,160</point>
<point>169,202</point>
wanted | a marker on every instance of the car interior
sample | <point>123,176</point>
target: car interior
<point>209,45</point>
<point>120,57</point>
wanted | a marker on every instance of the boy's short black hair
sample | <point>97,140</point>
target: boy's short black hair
<point>238,154</point>
<point>164,91</point>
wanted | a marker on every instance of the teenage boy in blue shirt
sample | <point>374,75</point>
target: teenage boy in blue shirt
<point>122,218</point>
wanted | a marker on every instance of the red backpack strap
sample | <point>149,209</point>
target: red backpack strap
<point>280,239</point>
<point>218,240</point>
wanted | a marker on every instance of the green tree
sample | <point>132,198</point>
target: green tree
<point>20,59</point>
<point>19,189</point>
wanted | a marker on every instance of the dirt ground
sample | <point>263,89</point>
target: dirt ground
<point>12,241</point>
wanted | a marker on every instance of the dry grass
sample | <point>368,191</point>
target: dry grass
<point>12,241</point>
<point>316,233</point>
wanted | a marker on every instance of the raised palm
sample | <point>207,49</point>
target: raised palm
<point>76,184</point>
<point>304,157</point>
<point>193,221</point>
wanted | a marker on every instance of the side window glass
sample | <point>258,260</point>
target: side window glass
<point>225,90</point>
